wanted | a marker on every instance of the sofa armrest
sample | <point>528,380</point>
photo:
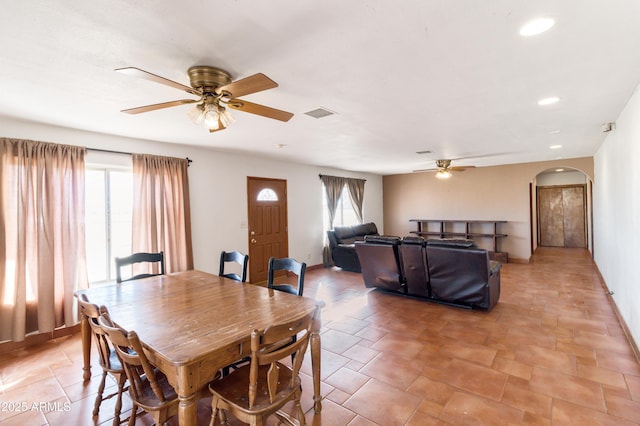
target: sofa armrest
<point>494,267</point>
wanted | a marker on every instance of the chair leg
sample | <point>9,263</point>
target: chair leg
<point>132,418</point>
<point>96,406</point>
<point>223,418</point>
<point>297,395</point>
<point>122,378</point>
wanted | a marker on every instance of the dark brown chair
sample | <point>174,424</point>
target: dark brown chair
<point>289,265</point>
<point>148,387</point>
<point>138,258</point>
<point>234,257</point>
<point>109,361</point>
<point>257,390</point>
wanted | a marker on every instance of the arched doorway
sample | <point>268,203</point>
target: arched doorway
<point>562,208</point>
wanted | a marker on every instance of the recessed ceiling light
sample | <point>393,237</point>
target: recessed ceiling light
<point>548,101</point>
<point>555,147</point>
<point>536,26</point>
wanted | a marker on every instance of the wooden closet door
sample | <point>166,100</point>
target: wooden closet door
<point>573,205</point>
<point>561,216</point>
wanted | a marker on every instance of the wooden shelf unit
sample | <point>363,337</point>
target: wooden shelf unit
<point>444,230</point>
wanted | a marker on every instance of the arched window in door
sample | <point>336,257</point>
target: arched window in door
<point>267,194</point>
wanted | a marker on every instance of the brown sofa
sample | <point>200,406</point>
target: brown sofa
<point>341,244</point>
<point>454,272</point>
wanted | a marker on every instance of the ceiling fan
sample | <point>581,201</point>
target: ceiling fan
<point>444,169</point>
<point>216,92</point>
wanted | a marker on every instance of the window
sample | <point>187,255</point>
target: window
<point>267,194</point>
<point>108,213</point>
<point>345,215</point>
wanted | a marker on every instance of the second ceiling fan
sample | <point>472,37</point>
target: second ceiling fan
<point>444,169</point>
<point>216,92</point>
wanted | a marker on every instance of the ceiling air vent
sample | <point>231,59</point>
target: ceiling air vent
<point>319,113</point>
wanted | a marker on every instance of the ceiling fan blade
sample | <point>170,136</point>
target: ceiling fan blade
<point>252,84</point>
<point>262,110</point>
<point>460,168</point>
<point>137,72</point>
<point>162,105</point>
<point>425,170</point>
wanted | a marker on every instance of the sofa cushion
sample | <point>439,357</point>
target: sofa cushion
<point>413,240</point>
<point>382,239</point>
<point>451,242</point>
<point>351,232</point>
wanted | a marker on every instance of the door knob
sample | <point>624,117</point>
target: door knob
<point>253,241</point>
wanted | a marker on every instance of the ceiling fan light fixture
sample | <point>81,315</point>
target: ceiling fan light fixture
<point>196,114</point>
<point>211,116</point>
<point>443,174</point>
<point>225,116</point>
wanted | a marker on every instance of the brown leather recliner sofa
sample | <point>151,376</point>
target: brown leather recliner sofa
<point>453,272</point>
<point>341,244</point>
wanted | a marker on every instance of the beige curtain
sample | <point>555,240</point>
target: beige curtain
<point>42,236</point>
<point>356,193</point>
<point>161,211</point>
<point>333,186</point>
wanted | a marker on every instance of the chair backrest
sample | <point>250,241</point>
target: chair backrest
<point>414,266</point>
<point>134,362</point>
<point>290,265</point>
<point>380,263</point>
<point>93,312</point>
<point>458,275</point>
<point>234,257</point>
<point>138,258</point>
<point>267,348</point>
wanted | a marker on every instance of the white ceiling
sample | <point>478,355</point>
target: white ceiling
<point>453,77</point>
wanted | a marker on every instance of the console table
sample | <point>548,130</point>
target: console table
<point>469,229</point>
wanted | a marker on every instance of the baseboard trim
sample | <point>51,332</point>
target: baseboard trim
<point>35,339</point>
<point>312,267</point>
<point>623,323</point>
<point>518,260</point>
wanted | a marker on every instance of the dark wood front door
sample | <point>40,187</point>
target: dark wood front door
<point>268,235</point>
<point>562,216</point>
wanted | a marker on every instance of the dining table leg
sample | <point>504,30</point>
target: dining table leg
<point>187,410</point>
<point>85,335</point>
<point>315,361</point>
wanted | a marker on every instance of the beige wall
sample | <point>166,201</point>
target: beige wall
<point>483,193</point>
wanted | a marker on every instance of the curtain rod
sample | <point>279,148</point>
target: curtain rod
<point>189,160</point>
<point>320,176</point>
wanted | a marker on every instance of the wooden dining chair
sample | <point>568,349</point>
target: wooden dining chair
<point>148,387</point>
<point>234,257</point>
<point>109,361</point>
<point>153,258</point>
<point>289,265</point>
<point>261,388</point>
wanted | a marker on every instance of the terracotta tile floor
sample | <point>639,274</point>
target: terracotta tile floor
<point>551,352</point>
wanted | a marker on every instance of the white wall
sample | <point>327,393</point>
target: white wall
<point>616,210</point>
<point>218,190</point>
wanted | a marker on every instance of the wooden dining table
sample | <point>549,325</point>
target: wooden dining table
<point>194,323</point>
